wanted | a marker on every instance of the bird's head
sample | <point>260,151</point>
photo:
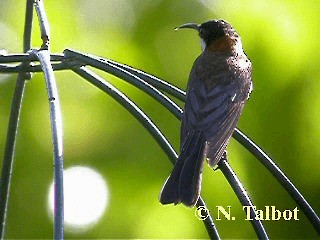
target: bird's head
<point>216,35</point>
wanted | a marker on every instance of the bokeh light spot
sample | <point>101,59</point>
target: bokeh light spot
<point>86,197</point>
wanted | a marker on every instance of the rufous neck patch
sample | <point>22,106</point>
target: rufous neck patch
<point>222,44</point>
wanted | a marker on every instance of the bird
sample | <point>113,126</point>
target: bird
<point>220,83</point>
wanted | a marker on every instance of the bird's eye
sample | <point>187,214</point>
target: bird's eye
<point>203,31</point>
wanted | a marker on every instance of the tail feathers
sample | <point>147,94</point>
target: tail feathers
<point>184,183</point>
<point>191,175</point>
<point>170,190</point>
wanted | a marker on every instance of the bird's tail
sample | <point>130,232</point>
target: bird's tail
<point>184,183</point>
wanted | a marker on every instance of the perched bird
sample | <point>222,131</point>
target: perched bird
<point>219,85</point>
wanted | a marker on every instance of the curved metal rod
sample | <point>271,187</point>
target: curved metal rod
<point>127,76</point>
<point>152,80</point>
<point>242,196</point>
<point>16,105</point>
<point>56,118</point>
<point>11,58</point>
<point>29,68</point>
<point>208,221</point>
<point>57,140</point>
<point>43,23</point>
<point>147,123</point>
<point>130,106</point>
<point>7,164</point>
<point>280,176</point>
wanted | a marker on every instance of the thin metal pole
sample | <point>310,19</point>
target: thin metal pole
<point>56,119</point>
<point>16,104</point>
<point>242,196</point>
<point>280,176</point>
<point>131,107</point>
<point>127,76</point>
<point>11,58</point>
<point>208,221</point>
<point>28,68</point>
<point>57,140</point>
<point>7,164</point>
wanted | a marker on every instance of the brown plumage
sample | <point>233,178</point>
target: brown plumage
<point>219,85</point>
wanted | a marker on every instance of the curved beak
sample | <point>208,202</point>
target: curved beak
<point>189,25</point>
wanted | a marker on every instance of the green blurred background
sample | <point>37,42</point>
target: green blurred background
<point>280,37</point>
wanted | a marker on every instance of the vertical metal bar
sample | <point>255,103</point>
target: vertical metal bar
<point>56,120</point>
<point>16,104</point>
<point>57,140</point>
<point>28,26</point>
<point>7,164</point>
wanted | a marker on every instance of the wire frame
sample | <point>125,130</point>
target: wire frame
<point>155,87</point>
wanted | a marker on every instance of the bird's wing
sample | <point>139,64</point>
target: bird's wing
<point>218,139</point>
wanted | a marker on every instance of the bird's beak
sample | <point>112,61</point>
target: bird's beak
<point>189,25</point>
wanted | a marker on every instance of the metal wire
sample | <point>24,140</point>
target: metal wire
<point>125,75</point>
<point>11,58</point>
<point>16,104</point>
<point>56,119</point>
<point>57,140</point>
<point>243,197</point>
<point>281,177</point>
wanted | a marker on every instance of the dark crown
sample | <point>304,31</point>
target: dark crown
<point>214,29</point>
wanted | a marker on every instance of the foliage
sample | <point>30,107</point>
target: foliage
<point>280,39</point>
